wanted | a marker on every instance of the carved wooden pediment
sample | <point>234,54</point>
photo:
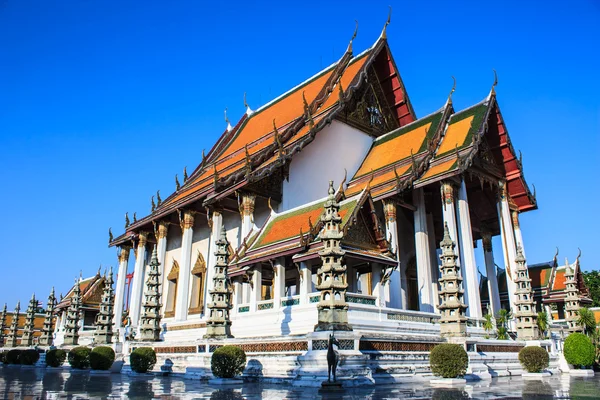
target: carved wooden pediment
<point>174,273</point>
<point>200,265</point>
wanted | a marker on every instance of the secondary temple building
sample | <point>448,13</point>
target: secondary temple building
<point>399,180</point>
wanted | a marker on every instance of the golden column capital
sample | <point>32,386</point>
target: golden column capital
<point>389,210</point>
<point>142,239</point>
<point>515,219</point>
<point>161,229</point>
<point>186,219</point>
<point>123,254</point>
<point>447,191</point>
<point>248,200</point>
<point>486,239</point>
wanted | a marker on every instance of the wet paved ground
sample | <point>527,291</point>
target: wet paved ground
<point>17,383</point>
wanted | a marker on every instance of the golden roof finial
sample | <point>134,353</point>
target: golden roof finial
<point>343,182</point>
<point>340,91</point>
<point>270,206</point>
<point>248,109</point>
<point>309,117</point>
<point>389,19</point>
<point>349,49</point>
<point>493,91</point>
<point>449,102</point>
<point>368,187</point>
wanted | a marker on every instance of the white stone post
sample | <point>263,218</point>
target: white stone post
<point>470,277</point>
<point>391,226</point>
<point>422,253</point>
<point>237,295</point>
<point>247,213</point>
<point>305,282</point>
<point>246,290</point>
<point>490,268</point>
<point>120,287</point>
<point>137,287</point>
<point>279,287</point>
<point>217,223</point>
<point>256,294</point>
<point>508,243</point>
<point>185,274</point>
<point>449,217</point>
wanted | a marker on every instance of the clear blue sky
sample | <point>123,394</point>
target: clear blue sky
<point>102,102</point>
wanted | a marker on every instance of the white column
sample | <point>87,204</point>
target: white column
<point>377,288</point>
<point>508,243</point>
<point>518,234</point>
<point>185,274</point>
<point>256,294</point>
<point>470,278</point>
<point>237,296</point>
<point>435,268</point>
<point>279,287</point>
<point>217,223</point>
<point>391,226</point>
<point>490,269</point>
<point>139,273</point>
<point>247,212</point>
<point>161,250</point>
<point>246,292</point>
<point>120,287</point>
<point>63,318</point>
<point>422,253</point>
<point>449,217</point>
<point>305,282</point>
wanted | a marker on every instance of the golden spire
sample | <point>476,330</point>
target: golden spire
<point>249,111</point>
<point>449,102</point>
<point>389,19</point>
<point>493,91</point>
<point>349,49</point>
<point>343,182</point>
<point>229,128</point>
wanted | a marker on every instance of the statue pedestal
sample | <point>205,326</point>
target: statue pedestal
<point>331,386</point>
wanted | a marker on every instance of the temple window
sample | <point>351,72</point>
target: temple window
<point>198,285</point>
<point>172,279</point>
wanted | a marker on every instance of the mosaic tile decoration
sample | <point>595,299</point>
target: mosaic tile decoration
<point>360,300</point>
<point>379,345</point>
<point>290,302</point>
<point>411,318</point>
<point>243,309</point>
<point>175,349</point>
<point>314,299</point>
<point>184,327</point>
<point>265,306</point>
<point>496,348</point>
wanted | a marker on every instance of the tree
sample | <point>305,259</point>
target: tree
<point>502,320</point>
<point>488,323</point>
<point>542,322</point>
<point>587,321</point>
<point>592,281</point>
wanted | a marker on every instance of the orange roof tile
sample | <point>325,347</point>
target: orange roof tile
<point>439,169</point>
<point>456,135</point>
<point>559,280</point>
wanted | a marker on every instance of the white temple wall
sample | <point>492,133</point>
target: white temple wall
<point>336,147</point>
<point>233,225</point>
<point>173,253</point>
<point>262,212</point>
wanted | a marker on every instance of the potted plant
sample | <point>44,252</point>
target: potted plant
<point>450,363</point>
<point>535,360</point>
<point>226,363</point>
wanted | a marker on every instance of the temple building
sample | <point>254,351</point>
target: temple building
<point>399,180</point>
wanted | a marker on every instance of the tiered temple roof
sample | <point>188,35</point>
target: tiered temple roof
<point>91,293</point>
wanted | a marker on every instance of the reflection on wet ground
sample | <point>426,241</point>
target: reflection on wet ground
<point>18,383</point>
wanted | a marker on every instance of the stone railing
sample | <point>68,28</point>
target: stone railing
<point>413,316</point>
<point>264,305</point>
<point>355,298</point>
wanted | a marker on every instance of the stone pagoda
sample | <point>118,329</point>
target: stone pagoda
<point>453,321</point>
<point>104,319</point>
<point>150,319</point>
<point>2,325</point>
<point>525,312</point>
<point>27,339</point>
<point>572,303</point>
<point>14,327</point>
<point>332,280</point>
<point>73,316</point>
<point>47,338</point>
<point>218,325</point>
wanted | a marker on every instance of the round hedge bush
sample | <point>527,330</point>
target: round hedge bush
<point>534,358</point>
<point>13,357</point>
<point>29,357</point>
<point>448,360</point>
<point>142,359</point>
<point>228,362</point>
<point>102,358</point>
<point>579,350</point>
<point>79,357</point>
<point>55,357</point>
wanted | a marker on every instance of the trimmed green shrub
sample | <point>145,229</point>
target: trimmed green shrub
<point>534,358</point>
<point>142,359</point>
<point>228,362</point>
<point>579,350</point>
<point>448,360</point>
<point>55,357</point>
<point>13,357</point>
<point>102,358</point>
<point>29,357</point>
<point>79,357</point>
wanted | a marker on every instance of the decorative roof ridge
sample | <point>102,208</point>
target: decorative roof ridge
<point>480,103</point>
<point>410,124</point>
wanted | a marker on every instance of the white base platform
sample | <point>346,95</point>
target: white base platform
<point>581,372</point>
<point>448,382</point>
<point>536,375</point>
<point>226,382</point>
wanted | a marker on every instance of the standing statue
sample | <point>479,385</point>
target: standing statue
<point>332,358</point>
